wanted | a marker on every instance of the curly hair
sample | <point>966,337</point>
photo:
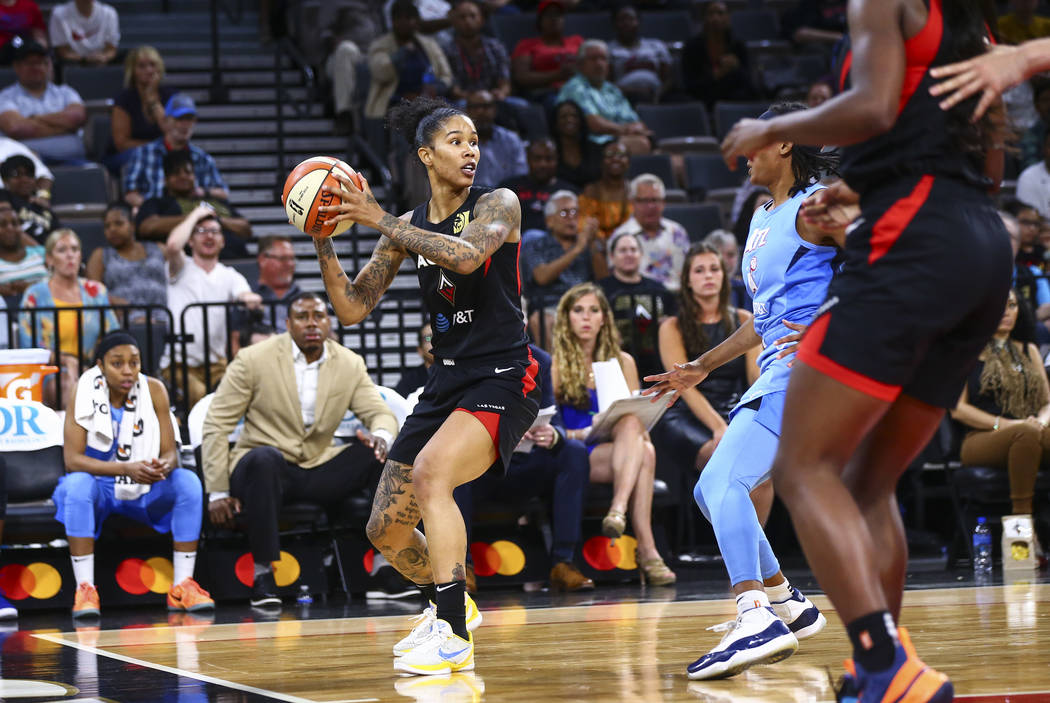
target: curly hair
<point>573,369</point>
<point>689,312</point>
<point>419,120</point>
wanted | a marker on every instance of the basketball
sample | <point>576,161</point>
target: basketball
<point>303,196</point>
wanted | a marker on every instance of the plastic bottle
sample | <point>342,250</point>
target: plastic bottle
<point>304,597</point>
<point>982,547</point>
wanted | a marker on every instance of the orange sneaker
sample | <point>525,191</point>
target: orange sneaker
<point>908,680</point>
<point>85,601</point>
<point>188,595</point>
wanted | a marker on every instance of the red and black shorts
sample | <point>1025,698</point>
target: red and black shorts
<point>922,289</point>
<point>503,395</point>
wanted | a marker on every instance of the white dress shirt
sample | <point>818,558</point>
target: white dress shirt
<point>306,381</point>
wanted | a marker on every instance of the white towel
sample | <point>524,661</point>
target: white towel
<point>139,432</point>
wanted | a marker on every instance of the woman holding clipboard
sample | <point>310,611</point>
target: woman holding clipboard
<point>584,332</point>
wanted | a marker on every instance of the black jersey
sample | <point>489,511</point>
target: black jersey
<point>921,140</point>
<point>477,315</point>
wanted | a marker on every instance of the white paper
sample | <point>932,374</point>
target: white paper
<point>543,418</point>
<point>609,383</point>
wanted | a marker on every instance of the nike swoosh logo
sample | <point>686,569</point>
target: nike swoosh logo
<point>442,590</point>
<point>854,225</point>
<point>499,370</point>
<point>453,655</point>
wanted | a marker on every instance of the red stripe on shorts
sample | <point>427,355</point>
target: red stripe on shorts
<point>491,422</point>
<point>529,381</point>
<point>809,352</point>
<point>894,221</point>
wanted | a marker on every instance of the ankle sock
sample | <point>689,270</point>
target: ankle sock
<point>874,638</point>
<point>779,593</point>
<point>429,592</point>
<point>749,600</point>
<point>84,569</point>
<point>183,563</point>
<point>450,599</point>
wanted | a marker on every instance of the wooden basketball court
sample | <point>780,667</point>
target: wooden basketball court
<point>993,641</point>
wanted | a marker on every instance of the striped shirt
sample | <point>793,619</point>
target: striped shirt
<point>31,268</point>
<point>145,173</point>
<point>482,71</point>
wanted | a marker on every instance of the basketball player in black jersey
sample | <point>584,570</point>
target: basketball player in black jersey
<point>904,321</point>
<point>481,394</point>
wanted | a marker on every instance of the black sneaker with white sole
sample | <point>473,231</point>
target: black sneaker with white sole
<point>264,592</point>
<point>388,584</point>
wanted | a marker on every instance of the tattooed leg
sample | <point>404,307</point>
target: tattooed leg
<point>392,524</point>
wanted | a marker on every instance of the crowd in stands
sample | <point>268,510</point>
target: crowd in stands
<point>606,272</point>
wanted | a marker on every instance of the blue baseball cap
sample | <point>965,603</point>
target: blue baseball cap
<point>180,105</point>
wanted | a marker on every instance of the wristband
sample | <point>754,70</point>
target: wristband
<point>996,425</point>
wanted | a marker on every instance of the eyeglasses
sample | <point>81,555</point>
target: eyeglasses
<point>569,212</point>
<point>207,230</point>
<point>283,259</point>
<point>1030,222</point>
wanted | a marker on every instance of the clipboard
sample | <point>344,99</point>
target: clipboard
<point>641,406</point>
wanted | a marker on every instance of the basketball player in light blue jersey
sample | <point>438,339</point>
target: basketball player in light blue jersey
<point>787,265</point>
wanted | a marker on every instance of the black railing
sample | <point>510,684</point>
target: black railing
<point>218,93</point>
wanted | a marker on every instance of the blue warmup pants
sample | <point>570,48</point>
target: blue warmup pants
<point>176,504</point>
<point>742,460</point>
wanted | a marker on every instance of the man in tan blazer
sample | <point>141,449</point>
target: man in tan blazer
<point>292,391</point>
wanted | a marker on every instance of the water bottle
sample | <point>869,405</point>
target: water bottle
<point>982,547</point>
<point>304,597</point>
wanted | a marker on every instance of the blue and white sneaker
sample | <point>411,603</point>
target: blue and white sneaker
<point>799,614</point>
<point>756,637</point>
<point>7,611</point>
<point>423,623</point>
<point>442,652</point>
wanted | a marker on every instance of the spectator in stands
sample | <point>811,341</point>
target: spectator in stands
<point>137,116</point>
<point>551,465</point>
<point>45,117</point>
<point>663,241</point>
<point>541,65</point>
<point>21,19</point>
<point>413,379</point>
<point>639,303</point>
<point>608,198</point>
<point>565,255</point>
<point>121,458</point>
<point>727,247</point>
<point>1029,281</point>
<point>694,425</point>
<point>1021,23</point>
<point>535,187</point>
<point>276,282</point>
<point>44,179</point>
<point>201,279</point>
<point>820,91</point>
<point>504,150</point>
<point>84,32</point>
<point>1033,185</point>
<point>293,390</point>
<point>159,214</point>
<point>254,332</point>
<point>579,159</point>
<point>75,332</point>
<point>714,62</point>
<point>477,62</point>
<point>433,14</point>
<point>817,22</point>
<point>641,68</point>
<point>404,63</point>
<point>583,334</point>
<point>145,173</point>
<point>20,265</point>
<point>1031,252</point>
<point>1006,406</point>
<point>19,175</point>
<point>1035,136</point>
<point>345,29</point>
<point>134,272</point>
<point>608,114</point>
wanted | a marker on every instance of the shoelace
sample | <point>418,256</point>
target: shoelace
<point>723,626</point>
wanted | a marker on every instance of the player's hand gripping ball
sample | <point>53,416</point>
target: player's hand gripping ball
<point>303,194</point>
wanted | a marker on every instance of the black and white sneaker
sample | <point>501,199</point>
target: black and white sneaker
<point>264,592</point>
<point>388,584</point>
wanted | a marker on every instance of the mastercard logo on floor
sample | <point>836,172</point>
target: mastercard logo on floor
<point>37,580</point>
<point>604,555</point>
<point>285,570</point>
<point>501,557</point>
<point>138,576</point>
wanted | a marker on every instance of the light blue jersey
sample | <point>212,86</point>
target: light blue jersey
<point>787,277</point>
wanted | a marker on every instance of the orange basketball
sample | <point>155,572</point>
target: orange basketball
<point>303,196</point>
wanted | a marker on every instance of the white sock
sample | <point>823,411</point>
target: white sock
<point>184,563</point>
<point>84,569</point>
<point>749,600</point>
<point>779,593</point>
<point>261,569</point>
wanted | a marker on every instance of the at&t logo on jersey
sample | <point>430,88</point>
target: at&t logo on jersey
<point>461,317</point>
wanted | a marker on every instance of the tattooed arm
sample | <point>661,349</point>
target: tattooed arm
<point>353,300</point>
<point>497,219</point>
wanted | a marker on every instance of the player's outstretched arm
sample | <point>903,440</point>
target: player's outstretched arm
<point>990,74</point>
<point>353,300</point>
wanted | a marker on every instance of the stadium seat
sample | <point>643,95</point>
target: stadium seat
<point>91,232</point>
<point>98,136</point>
<point>708,172</point>
<point>589,25</point>
<point>31,479</point>
<point>80,191</point>
<point>728,113</point>
<point>679,126</point>
<point>758,24</point>
<point>95,84</point>
<point>510,29</point>
<point>699,219</point>
<point>673,27</point>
